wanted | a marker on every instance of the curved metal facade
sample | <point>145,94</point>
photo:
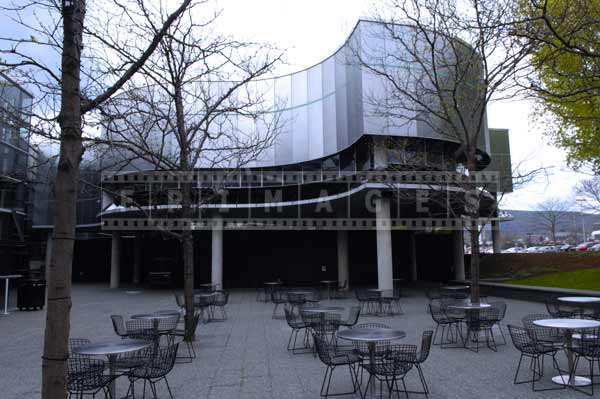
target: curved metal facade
<point>325,108</point>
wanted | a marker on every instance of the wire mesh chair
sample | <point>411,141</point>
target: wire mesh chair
<point>526,342</point>
<point>221,300</point>
<point>167,325</point>
<point>352,319</point>
<point>140,329</point>
<point>158,365</point>
<point>449,326</point>
<point>411,354</point>
<point>278,297</point>
<point>389,368</point>
<point>180,332</point>
<point>550,336</point>
<point>296,323</point>
<point>332,358</point>
<point>478,321</point>
<point>555,309</point>
<point>296,301</point>
<point>204,303</point>
<point>85,376</point>
<point>587,348</point>
<point>501,313</point>
<point>119,325</point>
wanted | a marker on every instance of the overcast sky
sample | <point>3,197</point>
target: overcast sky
<point>311,30</point>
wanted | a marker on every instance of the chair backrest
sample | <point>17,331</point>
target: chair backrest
<point>552,307</point>
<point>179,300</point>
<point>521,337</point>
<point>118,325</point>
<point>84,373</point>
<point>221,298</point>
<point>437,313</point>
<point>353,315</point>
<point>324,349</point>
<point>426,340</point>
<point>161,361</point>
<point>501,307</point>
<point>278,296</point>
<point>169,323</point>
<point>295,299</point>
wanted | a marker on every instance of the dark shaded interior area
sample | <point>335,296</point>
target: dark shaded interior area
<point>297,257</point>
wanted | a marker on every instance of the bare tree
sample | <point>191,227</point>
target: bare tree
<point>551,212</point>
<point>441,63</point>
<point>195,104</point>
<point>588,192</point>
<point>86,76</point>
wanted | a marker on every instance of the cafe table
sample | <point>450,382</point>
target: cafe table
<point>112,350</point>
<point>567,326</point>
<point>471,310</point>
<point>371,336</point>
<point>579,301</point>
<point>323,309</point>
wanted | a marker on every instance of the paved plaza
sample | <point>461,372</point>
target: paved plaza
<point>246,356</point>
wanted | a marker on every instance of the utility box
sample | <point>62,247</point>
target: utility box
<point>31,294</point>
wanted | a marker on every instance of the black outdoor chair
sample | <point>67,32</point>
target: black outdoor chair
<point>323,324</point>
<point>526,342</point>
<point>156,367</point>
<point>432,294</point>
<point>550,336</point>
<point>352,319</point>
<point>220,301</point>
<point>332,358</point>
<point>296,323</point>
<point>481,321</point>
<point>557,310</point>
<point>501,313</point>
<point>119,325</point>
<point>205,305</point>
<point>85,376</point>
<point>391,367</point>
<point>587,348</point>
<point>411,354</point>
<point>140,329</point>
<point>296,301</point>
<point>450,325</point>
<point>180,332</point>
<point>278,297</point>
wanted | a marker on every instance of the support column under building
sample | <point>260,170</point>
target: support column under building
<point>496,237</point>
<point>385,271</point>
<point>414,276</point>
<point>115,260</point>
<point>217,253</point>
<point>137,258</point>
<point>342,258</point>
<point>458,254</point>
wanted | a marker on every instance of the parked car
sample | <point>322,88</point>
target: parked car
<point>512,250</point>
<point>586,246</point>
<point>595,247</point>
<point>565,247</point>
<point>532,250</point>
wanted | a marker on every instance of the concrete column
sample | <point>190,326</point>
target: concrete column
<point>137,258</point>
<point>458,254</point>
<point>342,257</point>
<point>496,237</point>
<point>48,254</point>
<point>414,275</point>
<point>385,271</point>
<point>217,253</point>
<point>115,260</point>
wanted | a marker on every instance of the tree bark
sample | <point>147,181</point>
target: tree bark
<point>473,214</point>
<point>54,359</point>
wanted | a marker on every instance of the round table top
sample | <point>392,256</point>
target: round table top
<point>567,324</point>
<point>272,282</point>
<point>371,334</point>
<point>152,316</point>
<point>470,306</point>
<point>323,309</point>
<point>168,312</point>
<point>206,285</point>
<point>300,292</point>
<point>455,287</point>
<point>7,276</point>
<point>112,348</point>
<point>328,281</point>
<point>579,299</point>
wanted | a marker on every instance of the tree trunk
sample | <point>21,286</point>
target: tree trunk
<point>54,360</point>
<point>473,213</point>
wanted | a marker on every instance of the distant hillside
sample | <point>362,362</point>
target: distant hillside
<point>525,222</point>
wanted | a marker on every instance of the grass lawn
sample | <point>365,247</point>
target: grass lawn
<point>584,279</point>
